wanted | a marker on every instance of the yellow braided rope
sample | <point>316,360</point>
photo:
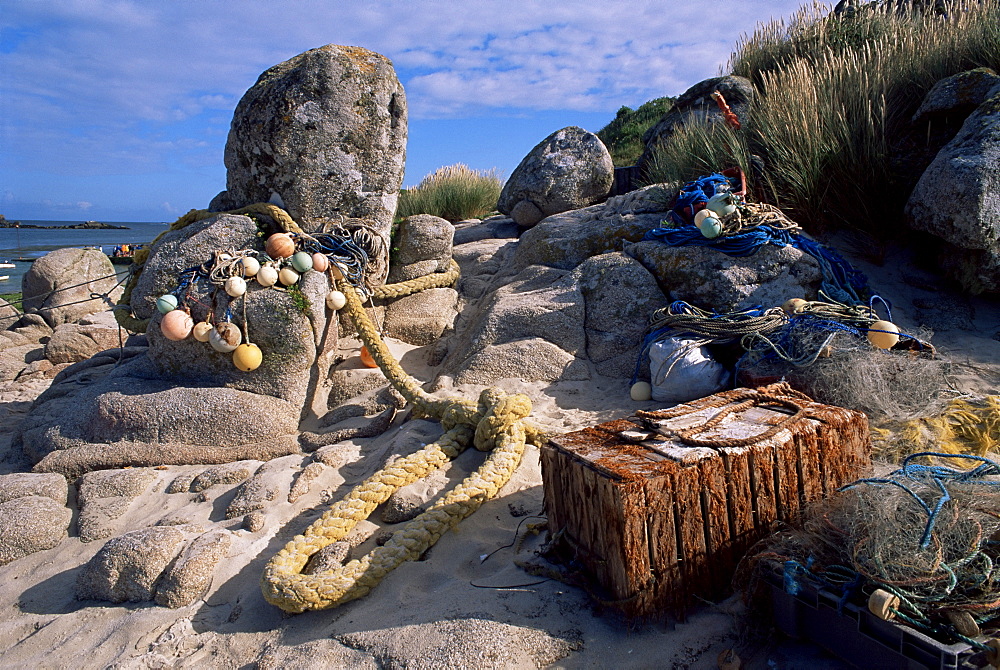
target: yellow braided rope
<point>411,286</point>
<point>497,422</point>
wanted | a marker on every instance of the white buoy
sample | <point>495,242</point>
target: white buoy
<point>267,276</point>
<point>288,276</point>
<point>225,337</point>
<point>236,286</point>
<point>722,204</point>
<point>202,330</point>
<point>335,300</point>
<point>250,266</point>
<point>793,305</point>
<point>641,391</point>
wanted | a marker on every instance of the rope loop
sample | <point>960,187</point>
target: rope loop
<point>500,412</point>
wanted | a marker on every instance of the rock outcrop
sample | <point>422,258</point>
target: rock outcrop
<point>58,286</point>
<point>29,524</point>
<point>569,169</point>
<point>288,325</point>
<point>712,280</point>
<point>697,105</point>
<point>958,201</point>
<point>958,95</point>
<point>322,134</point>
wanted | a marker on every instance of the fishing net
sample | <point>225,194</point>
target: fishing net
<point>925,533</point>
<point>835,364</point>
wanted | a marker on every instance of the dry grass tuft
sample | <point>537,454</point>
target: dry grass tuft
<point>454,192</point>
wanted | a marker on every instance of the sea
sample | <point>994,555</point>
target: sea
<point>32,243</point>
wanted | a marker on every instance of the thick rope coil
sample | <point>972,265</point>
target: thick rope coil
<point>494,423</point>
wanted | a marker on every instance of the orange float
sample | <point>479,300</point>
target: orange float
<point>366,358</point>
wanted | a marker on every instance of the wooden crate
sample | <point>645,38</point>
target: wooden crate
<point>658,509</point>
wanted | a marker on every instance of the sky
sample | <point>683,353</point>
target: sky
<point>118,110</point>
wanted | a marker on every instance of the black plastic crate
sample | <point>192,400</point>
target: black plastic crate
<point>857,636</point>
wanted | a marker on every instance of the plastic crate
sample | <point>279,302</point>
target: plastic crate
<point>857,636</point>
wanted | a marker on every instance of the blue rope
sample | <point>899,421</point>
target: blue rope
<point>841,281</point>
<point>934,476</point>
<point>698,192</point>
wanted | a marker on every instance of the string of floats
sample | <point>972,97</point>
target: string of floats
<point>354,252</point>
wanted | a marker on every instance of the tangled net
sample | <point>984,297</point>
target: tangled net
<point>924,533</point>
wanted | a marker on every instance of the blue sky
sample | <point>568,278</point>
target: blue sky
<point>118,110</point>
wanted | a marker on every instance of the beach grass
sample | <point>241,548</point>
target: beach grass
<point>454,192</point>
<point>835,99</point>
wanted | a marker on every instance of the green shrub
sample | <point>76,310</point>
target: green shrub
<point>835,96</point>
<point>454,192</point>
<point>623,136</point>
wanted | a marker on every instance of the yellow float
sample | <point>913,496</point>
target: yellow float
<point>247,357</point>
<point>883,334</point>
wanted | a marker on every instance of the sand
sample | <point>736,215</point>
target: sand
<point>466,604</point>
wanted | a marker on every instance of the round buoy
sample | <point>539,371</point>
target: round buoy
<point>335,300</point>
<point>247,357</point>
<point>366,358</point>
<point>267,276</point>
<point>883,334</point>
<point>993,655</point>
<point>236,286</point>
<point>641,391</point>
<point>176,325</point>
<point>225,337</point>
<point>249,265</point>
<point>710,227</point>
<point>302,261</point>
<point>320,262</point>
<point>703,214</point>
<point>202,330</point>
<point>722,204</point>
<point>288,276</point>
<point>793,305</point>
<point>964,623</point>
<point>279,245</point>
<point>166,303</point>
<point>881,603</point>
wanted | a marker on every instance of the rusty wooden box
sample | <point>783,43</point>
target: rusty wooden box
<point>658,509</point>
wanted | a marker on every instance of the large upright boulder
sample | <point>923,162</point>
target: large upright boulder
<point>324,134</point>
<point>958,200</point>
<point>59,285</point>
<point>569,169</point>
<point>697,105</point>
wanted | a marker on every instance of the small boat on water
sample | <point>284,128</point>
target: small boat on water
<point>7,264</point>
<point>4,277</point>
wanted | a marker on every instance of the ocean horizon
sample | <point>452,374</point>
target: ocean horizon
<point>33,243</point>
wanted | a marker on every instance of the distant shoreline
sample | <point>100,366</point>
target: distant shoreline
<point>88,225</point>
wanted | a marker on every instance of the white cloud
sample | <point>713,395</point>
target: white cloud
<point>137,86</point>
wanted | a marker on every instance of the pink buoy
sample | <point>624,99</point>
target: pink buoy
<point>320,262</point>
<point>176,325</point>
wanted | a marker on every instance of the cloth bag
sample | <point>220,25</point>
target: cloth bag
<point>681,370</point>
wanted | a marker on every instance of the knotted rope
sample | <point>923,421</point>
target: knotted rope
<point>494,424</point>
